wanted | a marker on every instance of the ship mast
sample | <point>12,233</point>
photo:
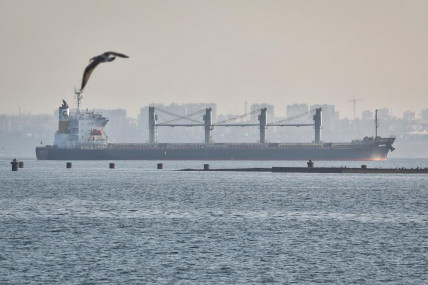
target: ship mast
<point>376,123</point>
<point>79,98</point>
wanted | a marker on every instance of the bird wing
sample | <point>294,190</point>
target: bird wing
<point>88,71</point>
<point>108,53</point>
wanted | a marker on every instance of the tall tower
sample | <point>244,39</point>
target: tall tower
<point>354,103</point>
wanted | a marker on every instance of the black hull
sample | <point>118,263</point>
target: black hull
<point>348,151</point>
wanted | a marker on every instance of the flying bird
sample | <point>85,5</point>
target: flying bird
<point>105,57</point>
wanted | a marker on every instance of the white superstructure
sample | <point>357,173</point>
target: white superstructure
<point>81,130</point>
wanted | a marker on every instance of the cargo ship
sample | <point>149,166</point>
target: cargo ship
<point>80,136</point>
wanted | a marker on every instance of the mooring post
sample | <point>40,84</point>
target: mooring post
<point>14,164</point>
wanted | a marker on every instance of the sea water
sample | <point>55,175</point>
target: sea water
<point>138,225</point>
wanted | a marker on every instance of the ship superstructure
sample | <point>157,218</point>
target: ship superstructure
<point>81,130</point>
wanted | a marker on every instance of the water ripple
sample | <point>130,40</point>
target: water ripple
<point>136,225</point>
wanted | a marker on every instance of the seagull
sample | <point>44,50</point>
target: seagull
<point>105,57</point>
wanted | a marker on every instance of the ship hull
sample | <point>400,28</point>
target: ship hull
<point>219,152</point>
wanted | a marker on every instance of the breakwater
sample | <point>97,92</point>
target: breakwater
<point>361,170</point>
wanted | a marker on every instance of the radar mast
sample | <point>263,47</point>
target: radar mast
<point>79,98</point>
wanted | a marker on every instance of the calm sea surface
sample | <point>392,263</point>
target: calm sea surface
<point>139,225</point>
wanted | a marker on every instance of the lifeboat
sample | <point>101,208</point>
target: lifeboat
<point>96,132</point>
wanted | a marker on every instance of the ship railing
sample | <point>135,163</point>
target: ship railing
<point>249,146</point>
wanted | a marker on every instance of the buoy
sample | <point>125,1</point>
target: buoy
<point>206,167</point>
<point>68,164</point>
<point>21,164</point>
<point>111,165</point>
<point>14,164</point>
<point>160,166</point>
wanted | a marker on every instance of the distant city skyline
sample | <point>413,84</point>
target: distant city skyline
<point>227,52</point>
<point>280,111</point>
<point>19,134</point>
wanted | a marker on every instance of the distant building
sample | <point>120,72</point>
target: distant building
<point>116,117</point>
<point>120,128</point>
<point>367,126</point>
<point>270,112</point>
<point>409,116</point>
<point>384,114</point>
<point>20,134</point>
<point>296,109</point>
<point>424,114</point>
<point>329,116</point>
<point>5,123</point>
<point>367,115</point>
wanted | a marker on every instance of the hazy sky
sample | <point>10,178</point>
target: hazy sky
<point>227,52</point>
